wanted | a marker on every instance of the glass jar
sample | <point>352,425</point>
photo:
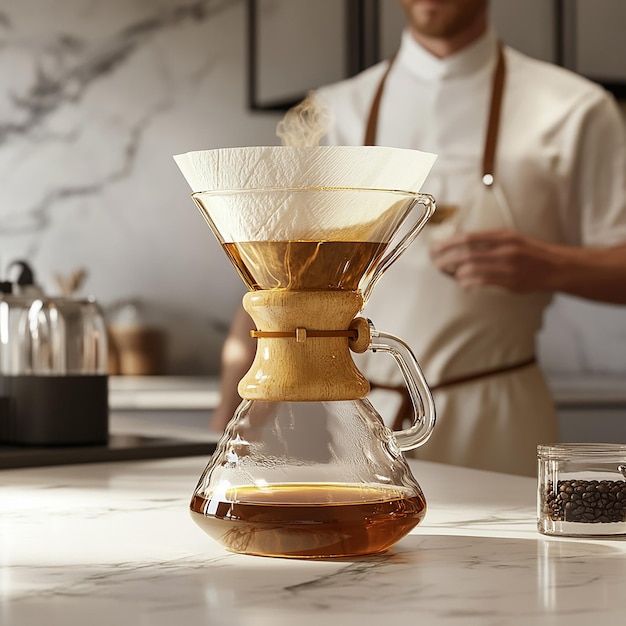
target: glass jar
<point>581,489</point>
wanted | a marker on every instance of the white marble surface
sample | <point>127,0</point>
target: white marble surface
<point>114,544</point>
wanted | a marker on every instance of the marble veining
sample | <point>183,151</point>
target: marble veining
<point>114,543</point>
<point>96,99</point>
<point>65,69</point>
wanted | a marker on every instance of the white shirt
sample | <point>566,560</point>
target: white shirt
<point>560,177</point>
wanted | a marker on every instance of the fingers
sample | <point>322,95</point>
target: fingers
<point>480,265</point>
<point>482,258</point>
<point>451,259</point>
<point>485,239</point>
<point>478,274</point>
<point>500,258</point>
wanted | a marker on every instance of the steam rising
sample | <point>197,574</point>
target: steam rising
<point>305,124</point>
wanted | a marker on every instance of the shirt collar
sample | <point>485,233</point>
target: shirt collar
<point>427,66</point>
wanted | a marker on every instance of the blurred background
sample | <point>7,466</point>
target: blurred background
<point>97,95</point>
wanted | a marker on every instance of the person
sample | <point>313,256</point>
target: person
<point>532,168</point>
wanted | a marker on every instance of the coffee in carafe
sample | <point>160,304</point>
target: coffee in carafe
<point>314,520</point>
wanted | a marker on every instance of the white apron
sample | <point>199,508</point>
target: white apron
<point>476,346</point>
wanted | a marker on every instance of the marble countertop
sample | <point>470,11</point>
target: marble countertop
<point>169,392</point>
<point>114,544</point>
<point>202,392</point>
<point>594,389</point>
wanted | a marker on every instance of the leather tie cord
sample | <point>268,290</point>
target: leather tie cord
<point>301,334</point>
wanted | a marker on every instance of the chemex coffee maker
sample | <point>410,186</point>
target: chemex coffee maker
<point>306,468</point>
<point>53,367</point>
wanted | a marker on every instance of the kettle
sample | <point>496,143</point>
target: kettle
<point>53,367</point>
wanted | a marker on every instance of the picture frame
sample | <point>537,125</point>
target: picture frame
<point>285,58</point>
<point>295,46</point>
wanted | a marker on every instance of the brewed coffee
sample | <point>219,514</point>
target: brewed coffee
<point>309,520</point>
<point>304,265</point>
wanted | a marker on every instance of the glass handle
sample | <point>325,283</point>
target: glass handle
<point>421,398</point>
<point>428,202</point>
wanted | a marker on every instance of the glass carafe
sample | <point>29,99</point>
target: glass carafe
<point>306,468</point>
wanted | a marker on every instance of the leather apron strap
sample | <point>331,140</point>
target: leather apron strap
<point>371,128</point>
<point>488,178</point>
<point>405,410</point>
<point>493,121</point>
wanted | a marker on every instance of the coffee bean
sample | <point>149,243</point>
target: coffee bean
<point>585,501</point>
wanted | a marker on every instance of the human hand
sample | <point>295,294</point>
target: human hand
<point>502,258</point>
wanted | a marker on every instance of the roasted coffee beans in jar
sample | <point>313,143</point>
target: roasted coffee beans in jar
<point>581,489</point>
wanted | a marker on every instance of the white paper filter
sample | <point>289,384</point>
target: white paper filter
<point>244,217</point>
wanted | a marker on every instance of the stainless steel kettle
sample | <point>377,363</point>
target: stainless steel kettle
<point>53,367</point>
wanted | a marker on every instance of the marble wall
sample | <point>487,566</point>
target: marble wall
<point>96,97</point>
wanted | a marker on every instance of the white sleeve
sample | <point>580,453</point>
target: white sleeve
<point>599,176</point>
